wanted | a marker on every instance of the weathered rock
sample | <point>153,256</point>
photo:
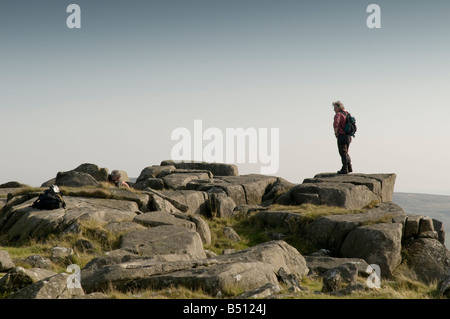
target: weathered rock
<point>13,184</point>
<point>248,269</point>
<point>201,226</point>
<point>444,286</point>
<point>54,287</point>
<point>37,261</point>
<point>330,231</point>
<point>23,222</point>
<point>6,263</point>
<point>153,183</point>
<point>231,234</point>
<point>377,244</point>
<point>217,169</point>
<point>265,291</point>
<point>412,226</point>
<point>164,240</point>
<point>278,188</point>
<point>321,264</point>
<point>221,205</point>
<point>178,181</point>
<point>427,260</point>
<point>160,202</point>
<point>345,195</point>
<point>61,253</point>
<point>18,278</point>
<point>426,224</point>
<point>381,185</point>
<point>335,278</point>
<point>99,174</point>
<point>154,172</point>
<point>158,218</point>
<point>75,179</point>
<point>123,227</point>
<point>197,202</point>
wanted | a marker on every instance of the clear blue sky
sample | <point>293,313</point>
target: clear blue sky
<point>112,92</point>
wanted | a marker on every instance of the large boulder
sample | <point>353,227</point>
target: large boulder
<point>377,244</point>
<point>380,184</point>
<point>196,201</point>
<point>99,174</point>
<point>18,278</point>
<point>330,231</point>
<point>217,169</point>
<point>247,269</point>
<point>6,263</point>
<point>154,171</point>
<point>162,240</point>
<point>23,222</point>
<point>54,287</point>
<point>427,260</point>
<point>75,179</point>
<point>345,195</point>
<point>159,218</point>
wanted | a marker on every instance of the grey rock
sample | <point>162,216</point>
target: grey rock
<point>321,264</point>
<point>265,291</point>
<point>330,231</point>
<point>99,174</point>
<point>377,244</point>
<point>22,222</point>
<point>54,287</point>
<point>154,172</point>
<point>426,260</point>
<point>217,169</point>
<point>345,195</point>
<point>61,253</point>
<point>231,234</point>
<point>18,278</point>
<point>221,205</point>
<point>196,201</point>
<point>164,240</point>
<point>6,263</point>
<point>75,179</point>
<point>37,261</point>
<point>158,218</point>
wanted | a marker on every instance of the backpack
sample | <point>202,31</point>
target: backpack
<point>50,199</point>
<point>350,124</point>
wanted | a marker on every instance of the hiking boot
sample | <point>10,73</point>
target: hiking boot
<point>343,171</point>
<point>349,168</point>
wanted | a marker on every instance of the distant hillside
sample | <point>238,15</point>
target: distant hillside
<point>435,206</point>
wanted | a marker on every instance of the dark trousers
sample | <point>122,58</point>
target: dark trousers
<point>343,142</point>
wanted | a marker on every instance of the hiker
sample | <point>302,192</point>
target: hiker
<point>343,139</point>
<point>116,178</point>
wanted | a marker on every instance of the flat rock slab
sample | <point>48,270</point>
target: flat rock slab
<point>162,240</point>
<point>159,218</point>
<point>380,184</point>
<point>246,269</point>
<point>23,222</point>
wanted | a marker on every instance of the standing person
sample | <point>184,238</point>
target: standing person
<point>343,140</point>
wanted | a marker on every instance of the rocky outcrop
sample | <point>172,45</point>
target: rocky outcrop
<point>161,229</point>
<point>353,191</point>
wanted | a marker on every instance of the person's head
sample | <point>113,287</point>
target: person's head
<point>338,106</point>
<point>115,175</point>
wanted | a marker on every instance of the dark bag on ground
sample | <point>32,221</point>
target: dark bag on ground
<point>50,199</point>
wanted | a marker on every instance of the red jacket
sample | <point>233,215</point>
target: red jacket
<point>339,123</point>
